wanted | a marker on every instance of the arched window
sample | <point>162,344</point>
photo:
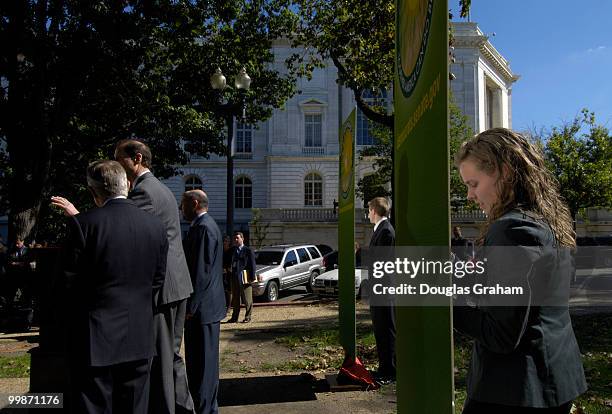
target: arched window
<point>313,190</point>
<point>193,183</point>
<point>243,193</point>
<point>364,126</point>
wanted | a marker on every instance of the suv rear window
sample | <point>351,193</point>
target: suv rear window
<point>313,252</point>
<point>303,255</point>
<point>268,258</point>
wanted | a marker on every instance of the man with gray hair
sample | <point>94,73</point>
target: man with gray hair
<point>116,263</point>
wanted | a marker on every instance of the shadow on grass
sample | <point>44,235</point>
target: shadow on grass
<point>31,338</point>
<point>268,390</point>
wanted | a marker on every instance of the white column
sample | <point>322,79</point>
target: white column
<point>482,101</point>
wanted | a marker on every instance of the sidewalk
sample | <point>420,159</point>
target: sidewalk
<point>299,392</point>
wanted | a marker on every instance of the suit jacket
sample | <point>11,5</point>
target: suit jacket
<point>152,196</point>
<point>243,259</point>
<point>117,260</point>
<point>204,251</point>
<point>384,235</point>
<point>522,356</point>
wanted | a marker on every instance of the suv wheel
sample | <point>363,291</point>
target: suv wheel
<point>271,293</point>
<point>311,281</point>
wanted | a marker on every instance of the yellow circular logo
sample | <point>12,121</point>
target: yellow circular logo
<point>414,20</point>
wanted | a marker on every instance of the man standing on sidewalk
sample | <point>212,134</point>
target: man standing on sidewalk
<point>206,307</point>
<point>383,317</point>
<point>243,272</point>
<point>169,389</point>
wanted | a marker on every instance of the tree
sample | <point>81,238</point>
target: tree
<point>579,154</point>
<point>459,130</point>
<point>377,184</point>
<point>77,76</point>
<point>259,229</point>
<point>359,37</point>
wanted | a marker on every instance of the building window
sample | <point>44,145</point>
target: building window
<point>243,193</point>
<point>244,139</point>
<point>313,130</point>
<point>313,190</point>
<point>364,125</point>
<point>193,183</point>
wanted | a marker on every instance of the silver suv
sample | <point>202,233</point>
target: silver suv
<point>285,266</point>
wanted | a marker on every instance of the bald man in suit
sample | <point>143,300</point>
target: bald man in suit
<point>206,306</point>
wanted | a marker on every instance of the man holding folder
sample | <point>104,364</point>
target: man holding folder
<point>243,273</point>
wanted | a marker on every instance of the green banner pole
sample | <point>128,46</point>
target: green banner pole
<point>346,236</point>
<point>421,200</point>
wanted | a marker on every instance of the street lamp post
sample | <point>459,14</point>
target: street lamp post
<point>228,110</point>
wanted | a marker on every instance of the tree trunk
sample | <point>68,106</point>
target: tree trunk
<point>26,122</point>
<point>30,163</point>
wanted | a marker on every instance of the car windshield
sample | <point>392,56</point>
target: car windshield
<point>268,258</point>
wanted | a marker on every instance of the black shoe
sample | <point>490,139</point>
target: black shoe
<point>231,320</point>
<point>246,320</point>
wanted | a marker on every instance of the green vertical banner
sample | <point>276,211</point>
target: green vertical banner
<point>421,200</point>
<point>346,235</point>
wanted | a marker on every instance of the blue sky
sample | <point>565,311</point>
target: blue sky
<point>562,50</point>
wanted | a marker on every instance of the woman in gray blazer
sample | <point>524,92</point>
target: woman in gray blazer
<point>524,357</point>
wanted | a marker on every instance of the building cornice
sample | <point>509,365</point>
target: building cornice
<point>468,35</point>
<point>313,103</point>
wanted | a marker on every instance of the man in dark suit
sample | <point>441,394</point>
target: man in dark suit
<point>169,389</point>
<point>206,306</point>
<point>459,245</point>
<point>18,271</point>
<point>243,260</point>
<point>383,317</point>
<point>116,263</point>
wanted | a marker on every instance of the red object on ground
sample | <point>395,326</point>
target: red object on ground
<point>352,371</point>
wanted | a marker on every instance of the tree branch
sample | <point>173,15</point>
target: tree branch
<point>371,114</point>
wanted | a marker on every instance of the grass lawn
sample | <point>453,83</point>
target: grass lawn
<point>594,334</point>
<point>318,348</point>
<point>15,366</point>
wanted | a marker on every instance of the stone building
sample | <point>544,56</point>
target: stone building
<point>288,165</point>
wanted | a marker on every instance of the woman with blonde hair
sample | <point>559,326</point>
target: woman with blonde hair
<point>525,358</point>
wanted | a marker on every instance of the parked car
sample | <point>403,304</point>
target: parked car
<point>326,285</point>
<point>330,261</point>
<point>324,249</point>
<point>593,252</point>
<point>285,266</point>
